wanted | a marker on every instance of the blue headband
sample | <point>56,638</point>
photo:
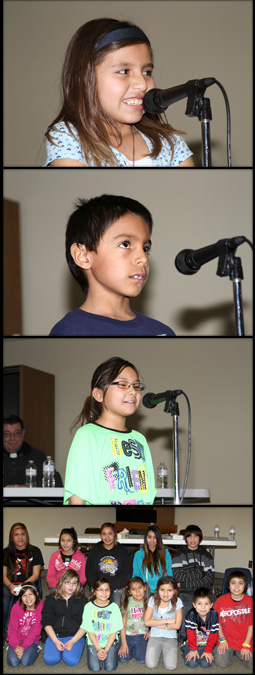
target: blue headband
<point>120,34</point>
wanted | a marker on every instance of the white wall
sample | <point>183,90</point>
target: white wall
<point>189,209</point>
<point>190,39</point>
<point>216,375</point>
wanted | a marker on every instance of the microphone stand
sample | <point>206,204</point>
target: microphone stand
<point>231,265</point>
<point>171,406</point>
<point>199,106</point>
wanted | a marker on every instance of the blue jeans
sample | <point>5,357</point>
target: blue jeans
<point>137,648</point>
<point>198,662</point>
<point>28,658</point>
<point>52,655</point>
<point>110,663</point>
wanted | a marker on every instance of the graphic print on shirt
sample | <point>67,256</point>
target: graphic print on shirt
<point>108,565</point>
<point>202,636</point>
<point>136,615</point>
<point>101,620</point>
<point>73,564</point>
<point>26,622</point>
<point>123,478</point>
<point>237,615</point>
<point>21,564</point>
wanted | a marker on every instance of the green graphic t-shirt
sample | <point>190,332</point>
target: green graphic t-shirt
<point>102,621</point>
<point>135,622</point>
<point>105,466</point>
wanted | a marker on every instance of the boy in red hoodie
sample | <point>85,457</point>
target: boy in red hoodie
<point>202,627</point>
<point>235,619</point>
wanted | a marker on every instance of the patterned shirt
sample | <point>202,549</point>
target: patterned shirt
<point>69,147</point>
<point>105,466</point>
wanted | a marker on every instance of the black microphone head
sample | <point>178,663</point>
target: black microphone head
<point>149,102</point>
<point>147,402</point>
<point>181,264</point>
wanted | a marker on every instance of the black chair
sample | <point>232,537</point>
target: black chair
<point>246,571</point>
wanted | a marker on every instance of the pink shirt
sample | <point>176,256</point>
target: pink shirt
<point>25,626</point>
<point>56,567</point>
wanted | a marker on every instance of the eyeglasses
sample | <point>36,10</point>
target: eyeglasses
<point>15,434</point>
<point>137,386</point>
<point>71,583</point>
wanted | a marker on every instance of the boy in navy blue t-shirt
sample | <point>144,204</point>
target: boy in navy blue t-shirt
<point>108,240</point>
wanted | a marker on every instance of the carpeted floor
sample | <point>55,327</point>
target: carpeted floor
<point>130,668</point>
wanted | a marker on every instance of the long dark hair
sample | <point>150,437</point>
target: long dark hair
<point>126,593</point>
<point>34,591</point>
<point>158,556</point>
<point>72,533</point>
<point>99,582</point>
<point>102,378</point>
<point>11,557</point>
<point>162,582</point>
<point>81,106</point>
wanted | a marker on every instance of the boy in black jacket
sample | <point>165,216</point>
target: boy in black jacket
<point>193,568</point>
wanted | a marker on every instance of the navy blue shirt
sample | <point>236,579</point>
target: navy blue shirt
<point>78,322</point>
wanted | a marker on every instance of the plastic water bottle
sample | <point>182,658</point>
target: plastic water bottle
<point>48,479</point>
<point>162,476</point>
<point>31,474</point>
<point>232,533</point>
<point>216,532</point>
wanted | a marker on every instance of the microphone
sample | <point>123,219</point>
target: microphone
<point>157,100</point>
<point>151,400</point>
<point>189,261</point>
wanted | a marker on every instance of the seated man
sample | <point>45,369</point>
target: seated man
<point>193,568</point>
<point>17,453</point>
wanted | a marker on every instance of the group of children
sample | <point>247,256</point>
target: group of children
<point>141,620</point>
<point>143,627</point>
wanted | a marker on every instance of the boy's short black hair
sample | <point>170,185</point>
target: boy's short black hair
<point>240,575</point>
<point>203,593</point>
<point>91,219</point>
<point>193,529</point>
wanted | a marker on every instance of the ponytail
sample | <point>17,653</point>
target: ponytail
<point>102,378</point>
<point>90,412</point>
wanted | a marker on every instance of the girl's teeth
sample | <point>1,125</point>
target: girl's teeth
<point>133,101</point>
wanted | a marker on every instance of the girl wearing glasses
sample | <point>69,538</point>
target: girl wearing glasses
<point>109,462</point>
